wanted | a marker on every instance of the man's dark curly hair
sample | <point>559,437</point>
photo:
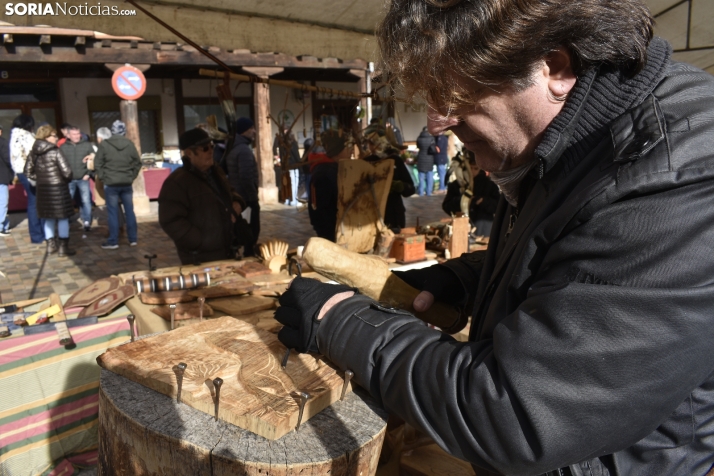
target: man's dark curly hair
<point>499,42</point>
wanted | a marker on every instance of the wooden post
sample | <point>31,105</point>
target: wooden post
<point>130,117</point>
<point>459,242</point>
<point>267,189</point>
<point>362,87</point>
<point>178,98</point>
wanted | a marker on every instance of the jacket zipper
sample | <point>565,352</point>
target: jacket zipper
<point>511,223</point>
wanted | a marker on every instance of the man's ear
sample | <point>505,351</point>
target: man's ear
<point>559,72</point>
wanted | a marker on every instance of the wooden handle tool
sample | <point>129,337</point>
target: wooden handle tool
<point>371,275</point>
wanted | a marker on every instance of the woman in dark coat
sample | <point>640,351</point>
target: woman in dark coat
<point>52,174</point>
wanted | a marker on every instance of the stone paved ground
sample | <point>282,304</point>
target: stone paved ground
<point>30,274</point>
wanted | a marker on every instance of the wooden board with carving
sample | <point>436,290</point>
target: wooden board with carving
<point>108,302</point>
<point>223,289</point>
<point>167,297</point>
<point>93,292</point>
<point>256,395</point>
<point>241,305</point>
<point>361,201</point>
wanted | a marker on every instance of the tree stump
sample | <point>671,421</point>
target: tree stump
<point>142,432</point>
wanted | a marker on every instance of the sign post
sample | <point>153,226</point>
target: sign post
<point>129,84</point>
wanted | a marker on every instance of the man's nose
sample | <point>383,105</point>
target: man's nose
<point>438,122</point>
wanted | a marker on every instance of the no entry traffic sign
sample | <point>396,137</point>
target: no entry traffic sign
<point>129,83</point>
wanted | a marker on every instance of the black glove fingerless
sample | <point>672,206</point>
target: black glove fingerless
<point>299,307</point>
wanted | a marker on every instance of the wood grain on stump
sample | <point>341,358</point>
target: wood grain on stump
<point>142,432</point>
<point>257,394</point>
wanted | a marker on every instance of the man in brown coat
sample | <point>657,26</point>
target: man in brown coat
<point>197,206</point>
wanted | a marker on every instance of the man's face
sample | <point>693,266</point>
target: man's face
<point>250,133</point>
<point>201,157</point>
<point>74,135</point>
<point>502,128</point>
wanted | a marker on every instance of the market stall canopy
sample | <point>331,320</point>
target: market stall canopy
<point>341,29</point>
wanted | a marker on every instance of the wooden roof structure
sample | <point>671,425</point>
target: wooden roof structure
<point>40,47</point>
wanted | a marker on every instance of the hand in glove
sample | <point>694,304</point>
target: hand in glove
<point>436,283</point>
<point>302,307</point>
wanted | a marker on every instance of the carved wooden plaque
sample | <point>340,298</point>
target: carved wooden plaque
<point>361,200</point>
<point>92,292</point>
<point>257,394</point>
<point>108,302</point>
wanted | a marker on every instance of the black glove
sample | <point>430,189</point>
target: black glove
<point>438,280</point>
<point>298,310</point>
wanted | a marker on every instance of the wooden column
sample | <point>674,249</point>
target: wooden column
<point>178,98</point>
<point>362,88</point>
<point>130,116</point>
<point>267,189</point>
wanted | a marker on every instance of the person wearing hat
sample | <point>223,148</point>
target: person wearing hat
<point>117,164</point>
<point>243,175</point>
<point>198,209</point>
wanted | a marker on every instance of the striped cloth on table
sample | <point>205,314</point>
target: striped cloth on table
<point>49,399</point>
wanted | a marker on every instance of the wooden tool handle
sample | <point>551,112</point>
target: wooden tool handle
<point>371,275</point>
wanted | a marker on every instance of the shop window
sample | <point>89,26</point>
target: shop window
<point>103,111</point>
<point>38,99</point>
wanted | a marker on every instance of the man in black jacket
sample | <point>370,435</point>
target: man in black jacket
<point>243,175</point>
<point>590,349</point>
<point>197,206</point>
<point>6,177</point>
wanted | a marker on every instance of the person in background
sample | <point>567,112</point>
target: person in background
<point>291,151</point>
<point>117,164</point>
<point>425,162</point>
<point>471,192</point>
<point>64,129</point>
<point>51,172</point>
<point>323,160</point>
<point>6,177</point>
<point>243,175</point>
<point>78,152</point>
<point>380,148</point>
<point>198,209</point>
<point>21,142</point>
<point>441,159</point>
<point>304,188</point>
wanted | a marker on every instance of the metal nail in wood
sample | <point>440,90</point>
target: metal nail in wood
<point>181,369</point>
<point>217,382</point>
<point>173,314</point>
<point>303,400</point>
<point>348,376</point>
<point>130,318</point>
<point>201,302</point>
<point>285,359</point>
